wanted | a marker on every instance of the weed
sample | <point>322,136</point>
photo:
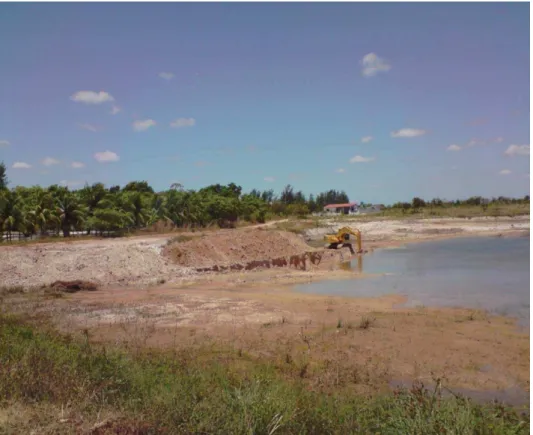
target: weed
<point>181,238</point>
<point>11,290</point>
<point>366,322</point>
<point>196,391</point>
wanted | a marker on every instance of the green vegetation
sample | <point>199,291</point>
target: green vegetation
<point>471,207</point>
<point>97,209</point>
<point>206,391</point>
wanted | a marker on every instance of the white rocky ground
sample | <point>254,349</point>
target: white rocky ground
<point>138,260</point>
<point>423,228</point>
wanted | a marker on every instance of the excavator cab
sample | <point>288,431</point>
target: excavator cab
<point>343,239</point>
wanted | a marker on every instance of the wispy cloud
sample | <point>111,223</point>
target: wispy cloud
<point>517,150</point>
<point>453,147</point>
<point>21,165</point>
<point>373,64</point>
<point>475,142</point>
<point>166,75</point>
<point>91,97</point>
<point>49,161</point>
<point>498,139</point>
<point>89,127</point>
<point>143,125</point>
<point>340,170</point>
<point>77,165</point>
<point>505,172</point>
<point>4,143</point>
<point>115,110</point>
<point>408,132</point>
<point>269,179</point>
<point>201,163</point>
<point>366,139</point>
<point>106,156</point>
<point>361,159</point>
<point>183,122</point>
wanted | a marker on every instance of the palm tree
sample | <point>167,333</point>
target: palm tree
<point>41,211</point>
<point>137,204</point>
<point>91,197</point>
<point>12,216</point>
<point>70,212</point>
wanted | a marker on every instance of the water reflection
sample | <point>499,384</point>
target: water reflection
<point>482,273</point>
<point>355,264</point>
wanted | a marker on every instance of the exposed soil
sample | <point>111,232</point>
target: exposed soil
<point>365,342</point>
<point>73,286</point>
<point>379,233</point>
<point>226,248</point>
<point>139,261</point>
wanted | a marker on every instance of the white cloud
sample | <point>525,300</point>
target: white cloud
<point>505,172</point>
<point>88,127</point>
<point>166,75</point>
<point>453,147</point>
<point>340,170</point>
<point>183,122</point>
<point>77,165</point>
<point>4,143</point>
<point>474,142</point>
<point>269,179</point>
<point>373,64</point>
<point>366,139</point>
<point>106,156</point>
<point>517,150</point>
<point>498,139</point>
<point>361,159</point>
<point>408,132</point>
<point>201,163</point>
<point>143,125</point>
<point>91,97</point>
<point>115,110</point>
<point>49,161</point>
<point>21,165</point>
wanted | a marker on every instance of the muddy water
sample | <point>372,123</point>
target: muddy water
<point>482,273</point>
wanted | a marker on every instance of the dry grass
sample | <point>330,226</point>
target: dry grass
<point>64,384</point>
<point>465,212</point>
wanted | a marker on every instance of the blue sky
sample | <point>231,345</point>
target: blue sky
<point>385,101</point>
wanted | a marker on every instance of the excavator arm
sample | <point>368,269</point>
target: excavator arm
<point>343,238</point>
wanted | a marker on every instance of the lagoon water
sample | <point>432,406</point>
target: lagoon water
<point>482,273</point>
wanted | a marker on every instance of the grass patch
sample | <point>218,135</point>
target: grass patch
<point>465,212</point>
<point>12,290</point>
<point>199,391</point>
<point>367,322</point>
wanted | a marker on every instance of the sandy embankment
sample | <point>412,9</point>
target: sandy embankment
<point>390,232</point>
<point>148,260</point>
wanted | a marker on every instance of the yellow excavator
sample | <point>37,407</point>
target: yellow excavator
<point>343,239</point>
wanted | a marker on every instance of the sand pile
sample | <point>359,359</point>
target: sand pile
<point>225,249</point>
<point>106,262</point>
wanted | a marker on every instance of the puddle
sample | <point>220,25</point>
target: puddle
<point>515,397</point>
<point>482,273</point>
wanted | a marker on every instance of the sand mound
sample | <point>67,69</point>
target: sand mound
<point>104,262</point>
<point>236,247</point>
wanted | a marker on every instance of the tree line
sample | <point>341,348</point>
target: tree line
<point>418,203</point>
<point>99,209</point>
